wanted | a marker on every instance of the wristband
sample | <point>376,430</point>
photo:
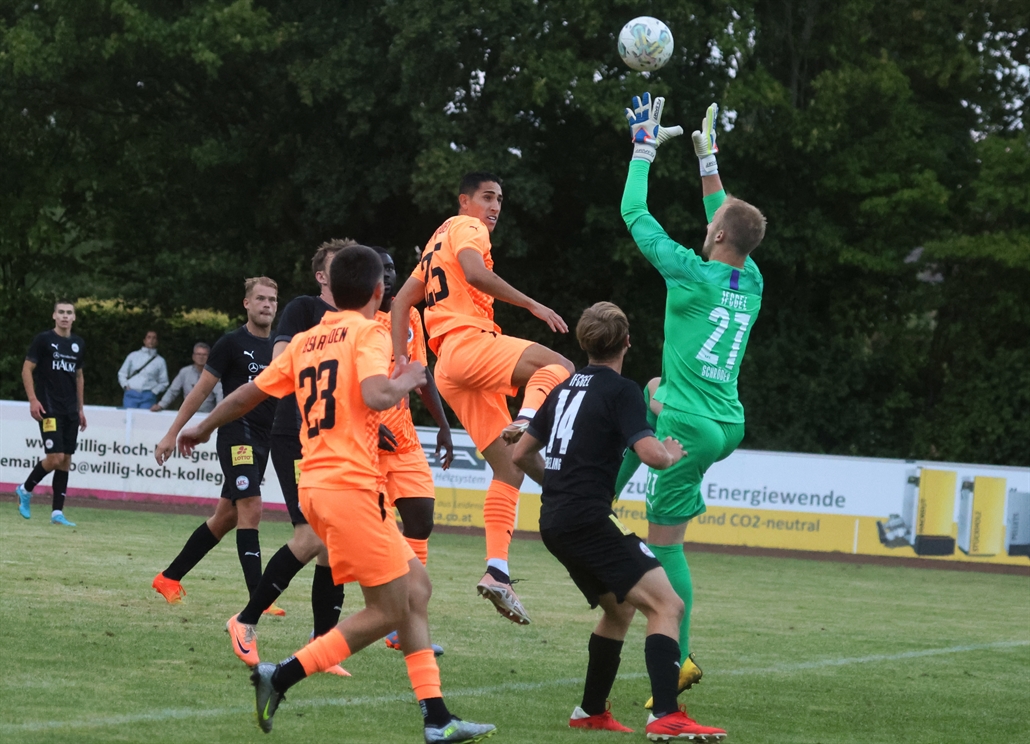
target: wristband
<point>643,151</point>
<point>708,165</point>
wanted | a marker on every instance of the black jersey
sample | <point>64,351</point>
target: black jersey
<point>236,359</point>
<point>301,314</point>
<point>586,424</point>
<point>58,360</point>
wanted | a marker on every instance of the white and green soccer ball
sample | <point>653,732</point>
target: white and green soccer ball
<point>645,43</point>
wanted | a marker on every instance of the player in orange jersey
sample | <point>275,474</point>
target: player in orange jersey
<point>339,372</point>
<point>477,366</point>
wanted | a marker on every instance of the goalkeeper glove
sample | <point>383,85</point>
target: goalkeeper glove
<point>704,142</point>
<point>646,131</point>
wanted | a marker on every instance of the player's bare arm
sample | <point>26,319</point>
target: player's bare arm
<point>527,456</point>
<point>485,280</point>
<point>242,401</point>
<point>431,399</point>
<point>35,407</point>
<point>381,392</point>
<point>80,390</point>
<point>190,405</point>
<point>659,455</point>
<point>412,293</point>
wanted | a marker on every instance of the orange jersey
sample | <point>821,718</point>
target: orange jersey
<point>398,419</point>
<point>451,302</point>
<point>325,366</point>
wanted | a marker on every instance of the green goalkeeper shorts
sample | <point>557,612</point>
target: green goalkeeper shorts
<point>673,496</point>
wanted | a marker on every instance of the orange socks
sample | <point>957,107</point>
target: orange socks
<point>420,548</point>
<point>499,518</point>
<point>540,384</point>
<point>325,651</point>
<point>424,674</point>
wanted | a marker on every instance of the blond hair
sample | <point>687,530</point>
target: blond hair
<point>743,224</point>
<point>254,281</point>
<point>602,330</point>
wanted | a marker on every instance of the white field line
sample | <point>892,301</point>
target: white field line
<point>170,714</point>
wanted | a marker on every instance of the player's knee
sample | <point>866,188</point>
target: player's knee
<point>569,366</point>
<point>673,607</point>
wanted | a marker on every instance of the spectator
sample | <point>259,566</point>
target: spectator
<point>188,377</point>
<point>144,375</point>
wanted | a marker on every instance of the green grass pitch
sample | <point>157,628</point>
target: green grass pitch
<point>793,651</point>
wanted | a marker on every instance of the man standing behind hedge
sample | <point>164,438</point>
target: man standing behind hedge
<point>143,375</point>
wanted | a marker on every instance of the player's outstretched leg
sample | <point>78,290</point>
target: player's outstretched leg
<point>502,497</point>
<point>204,538</point>
<point>441,726</point>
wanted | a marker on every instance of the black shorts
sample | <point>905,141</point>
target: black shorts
<point>286,455</point>
<point>243,466</point>
<point>60,433</point>
<point>601,557</point>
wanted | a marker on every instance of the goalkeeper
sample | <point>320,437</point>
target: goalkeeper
<point>712,303</point>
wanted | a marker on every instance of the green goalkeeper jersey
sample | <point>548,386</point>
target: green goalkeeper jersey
<point>709,312</point>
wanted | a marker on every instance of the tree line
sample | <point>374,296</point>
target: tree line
<point>157,153</point>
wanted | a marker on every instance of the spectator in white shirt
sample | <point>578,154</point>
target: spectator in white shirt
<point>144,375</point>
<point>188,377</point>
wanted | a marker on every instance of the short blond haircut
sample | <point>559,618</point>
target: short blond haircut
<point>254,281</point>
<point>602,330</point>
<point>743,224</point>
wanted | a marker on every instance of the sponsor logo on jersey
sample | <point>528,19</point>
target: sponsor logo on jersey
<point>49,443</point>
<point>646,550</point>
<point>249,353</point>
<point>296,471</point>
<point>75,348</point>
<point>253,368</point>
<point>242,455</point>
<point>411,334</point>
<point>49,424</point>
<point>242,483</point>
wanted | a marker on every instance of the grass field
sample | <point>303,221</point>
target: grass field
<point>794,651</point>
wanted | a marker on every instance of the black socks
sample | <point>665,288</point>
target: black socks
<point>60,488</point>
<point>197,546</point>
<point>662,655</point>
<point>37,474</point>
<point>248,547</point>
<point>601,671</point>
<point>326,600</point>
<point>279,572</point>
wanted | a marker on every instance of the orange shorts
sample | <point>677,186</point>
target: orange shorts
<point>407,476</point>
<point>364,546</point>
<point>473,373</point>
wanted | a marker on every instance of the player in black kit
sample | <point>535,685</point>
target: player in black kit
<point>52,375</point>
<point>236,359</point>
<point>300,314</point>
<point>585,425</point>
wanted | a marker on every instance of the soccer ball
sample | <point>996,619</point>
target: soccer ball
<point>645,43</point>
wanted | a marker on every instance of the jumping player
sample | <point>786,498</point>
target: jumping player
<point>713,301</point>
<point>477,366</point>
<point>339,369</point>
<point>300,314</point>
<point>237,358</point>
<point>585,424</point>
<point>54,386</point>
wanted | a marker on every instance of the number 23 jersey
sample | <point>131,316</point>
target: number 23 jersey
<point>325,366</point>
<point>451,302</point>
